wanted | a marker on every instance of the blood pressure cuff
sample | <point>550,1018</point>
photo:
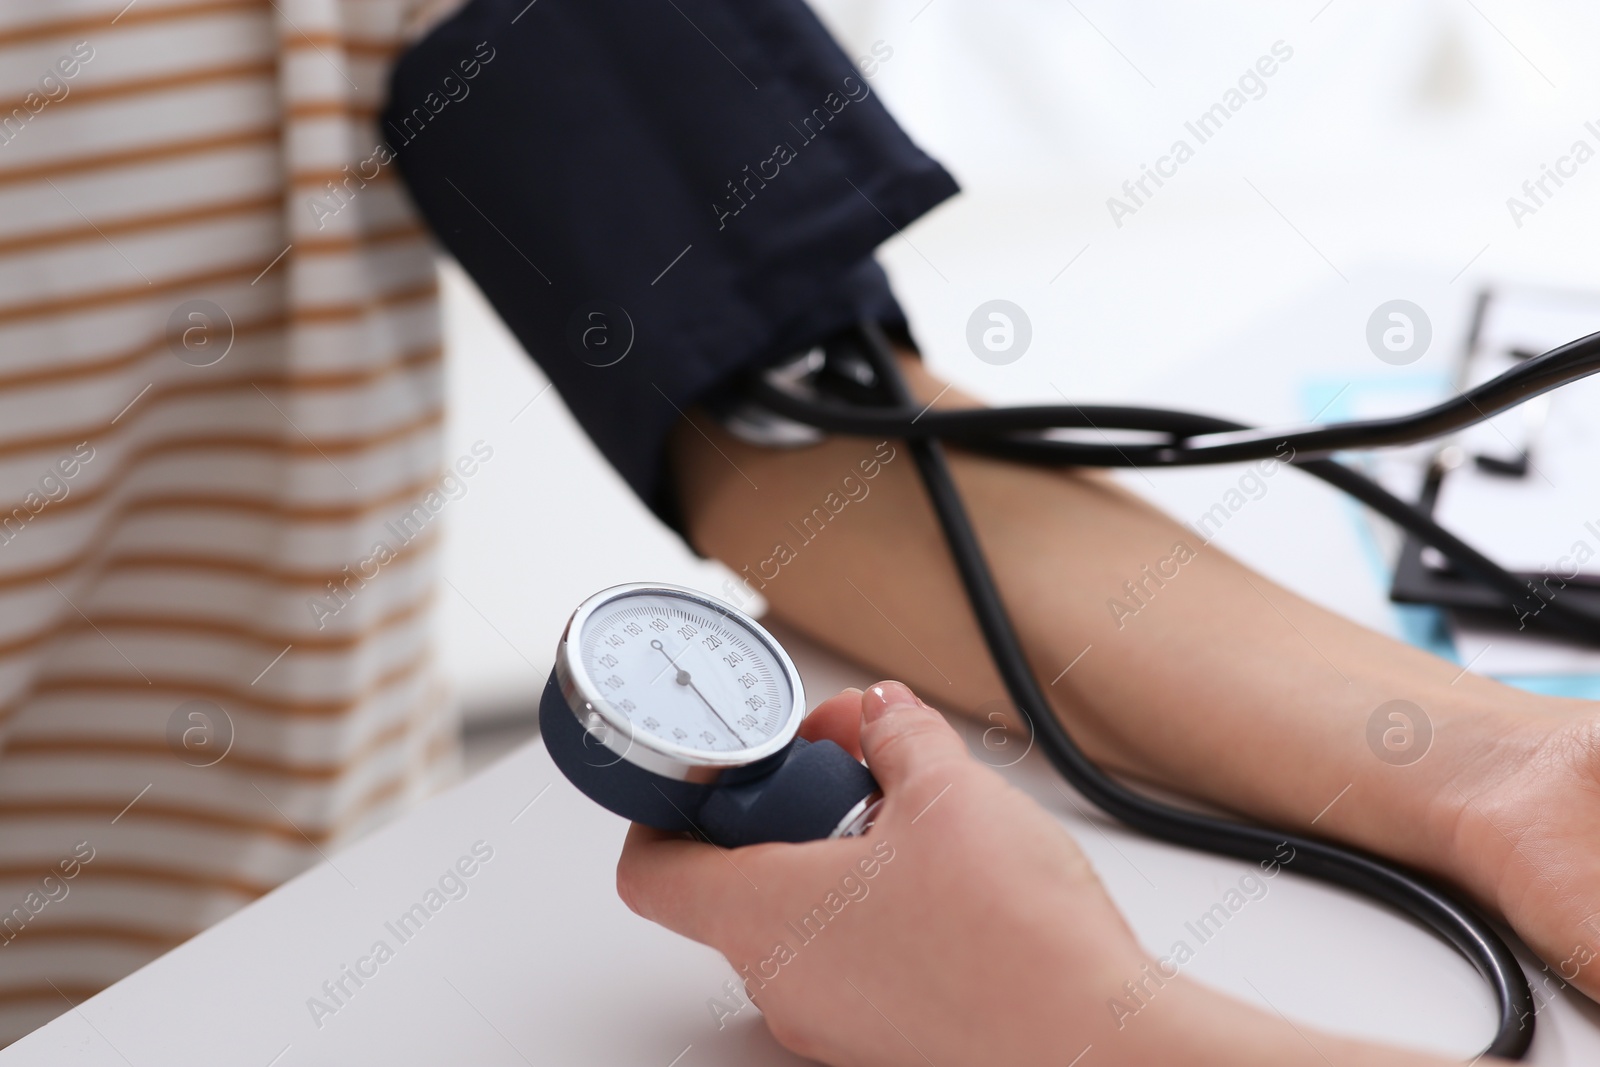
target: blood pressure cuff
<point>655,195</point>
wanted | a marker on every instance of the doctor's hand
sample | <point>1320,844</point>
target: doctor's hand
<point>965,927</point>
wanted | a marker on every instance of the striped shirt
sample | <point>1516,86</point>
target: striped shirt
<point>220,389</point>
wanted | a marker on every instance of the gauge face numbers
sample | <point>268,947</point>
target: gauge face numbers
<point>684,673</point>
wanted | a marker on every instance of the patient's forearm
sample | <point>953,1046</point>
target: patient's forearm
<point>1221,683</point>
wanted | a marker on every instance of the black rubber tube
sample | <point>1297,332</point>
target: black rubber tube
<point>1390,884</point>
<point>1016,433</point>
<point>1199,439</point>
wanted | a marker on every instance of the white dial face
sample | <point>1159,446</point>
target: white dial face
<point>685,674</point>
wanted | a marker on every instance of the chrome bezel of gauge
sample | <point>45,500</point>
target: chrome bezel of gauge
<point>654,754</point>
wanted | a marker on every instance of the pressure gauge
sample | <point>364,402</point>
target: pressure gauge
<point>674,709</point>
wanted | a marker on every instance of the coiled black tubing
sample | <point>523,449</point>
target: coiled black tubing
<point>1184,439</point>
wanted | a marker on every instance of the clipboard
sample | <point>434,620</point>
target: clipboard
<point>1496,481</point>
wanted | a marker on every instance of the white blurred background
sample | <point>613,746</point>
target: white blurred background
<point>1376,165</point>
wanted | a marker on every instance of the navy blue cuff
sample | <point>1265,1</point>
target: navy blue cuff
<point>654,196</point>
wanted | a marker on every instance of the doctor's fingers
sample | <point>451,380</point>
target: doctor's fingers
<point>837,719</point>
<point>717,896</point>
<point>905,740</point>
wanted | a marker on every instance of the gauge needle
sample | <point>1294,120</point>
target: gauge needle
<point>672,661</point>
<point>684,679</point>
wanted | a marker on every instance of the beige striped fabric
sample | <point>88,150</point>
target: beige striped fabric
<point>220,388</point>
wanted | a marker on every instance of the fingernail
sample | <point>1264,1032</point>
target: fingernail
<point>880,698</point>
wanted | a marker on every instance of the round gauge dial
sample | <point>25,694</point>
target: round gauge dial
<point>687,675</point>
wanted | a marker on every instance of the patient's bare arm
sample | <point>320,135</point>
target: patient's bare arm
<point>1222,684</point>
